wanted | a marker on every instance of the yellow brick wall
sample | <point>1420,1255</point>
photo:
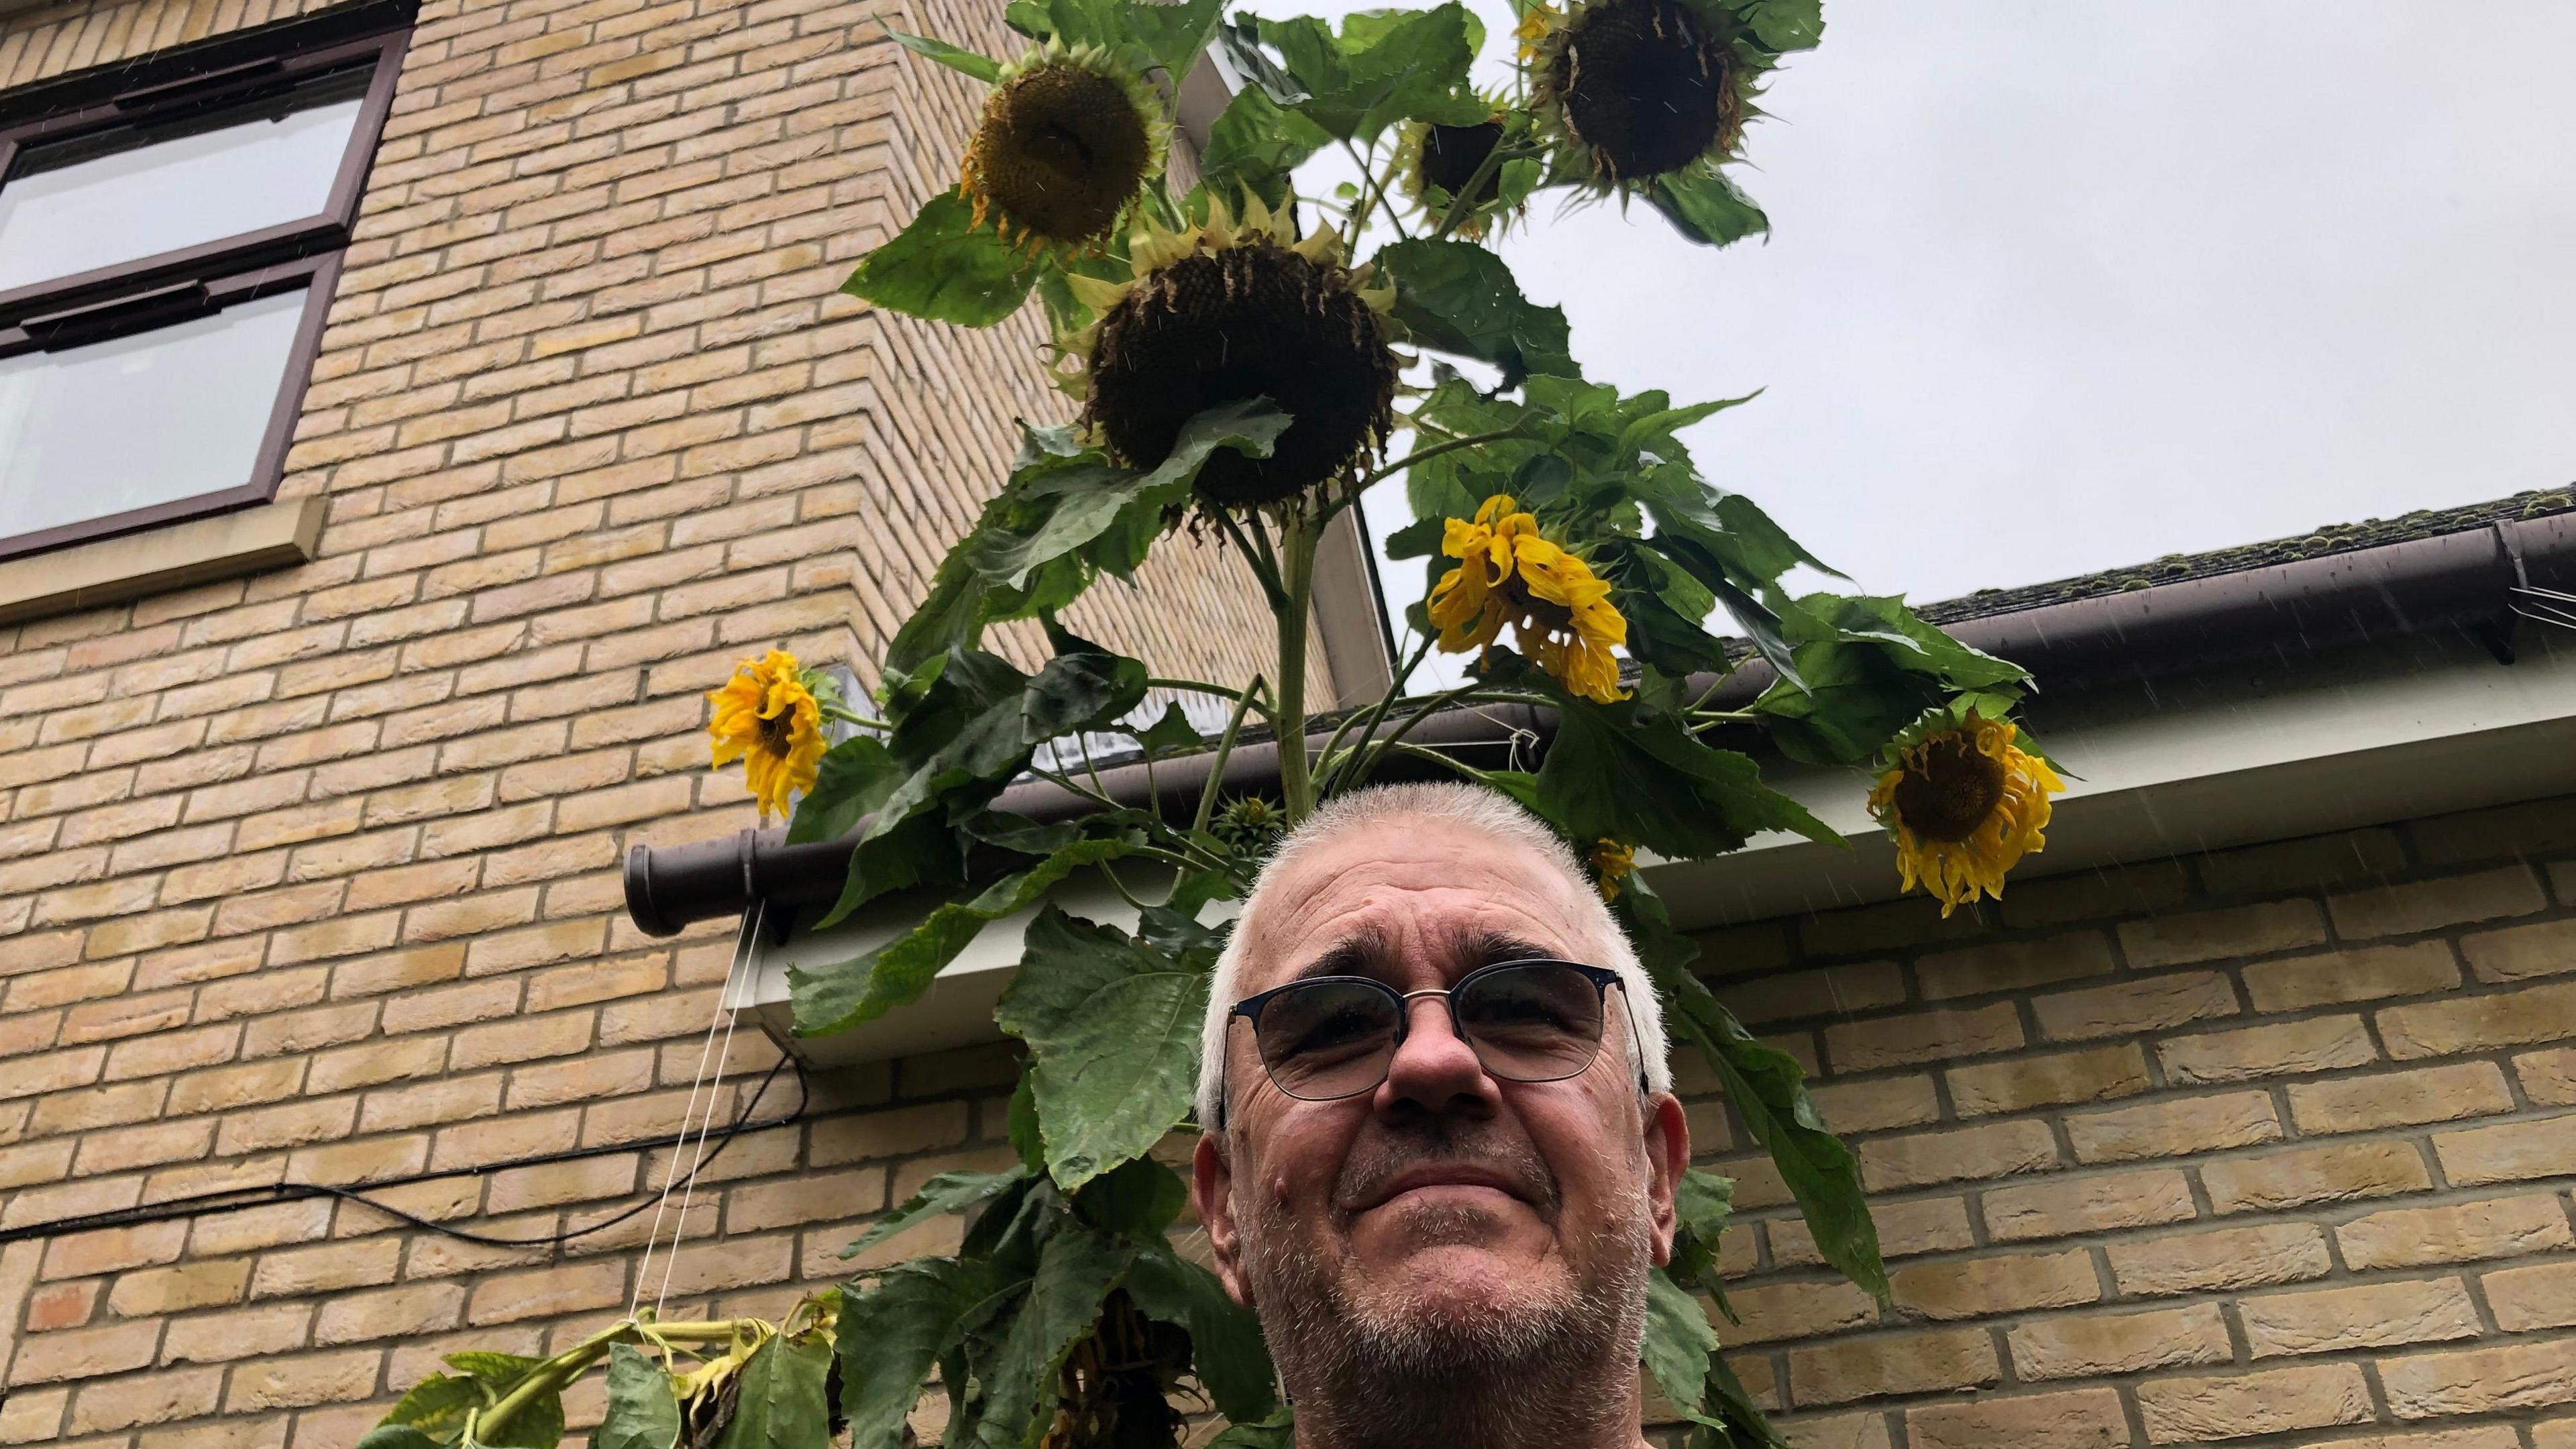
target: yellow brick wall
<point>2273,1144</point>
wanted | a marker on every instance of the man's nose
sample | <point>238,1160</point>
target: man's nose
<point>1434,1069</point>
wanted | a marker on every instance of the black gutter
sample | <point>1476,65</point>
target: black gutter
<point>2448,583</point>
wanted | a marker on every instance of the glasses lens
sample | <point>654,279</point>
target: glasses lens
<point>1326,1039</point>
<point>1539,1022</point>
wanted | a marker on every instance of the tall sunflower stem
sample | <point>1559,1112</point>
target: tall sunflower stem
<point>1297,578</point>
<point>1458,211</point>
<point>1263,571</point>
<point>1332,760</point>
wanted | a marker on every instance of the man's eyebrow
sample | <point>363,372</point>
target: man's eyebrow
<point>1353,955</point>
<point>1487,948</point>
<point>1365,953</point>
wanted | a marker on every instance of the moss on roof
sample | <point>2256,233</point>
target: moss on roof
<point>2176,568</point>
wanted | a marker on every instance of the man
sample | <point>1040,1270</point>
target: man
<point>1441,1142</point>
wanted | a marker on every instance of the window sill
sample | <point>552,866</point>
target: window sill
<point>174,556</point>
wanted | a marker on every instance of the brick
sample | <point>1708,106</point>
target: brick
<point>409,1311</point>
<point>2400,1099</point>
<point>2100,1345</point>
<point>2480,1023</point>
<point>546,1292</point>
<point>155,1399</point>
<point>48,1358</point>
<point>1905,1229</point>
<point>2519,953</point>
<point>2292,865</point>
<point>2340,1172</point>
<point>2233,1258</point>
<point>2503,1227</point>
<point>1921,1037</point>
<point>2508,1152</point>
<point>861,1137</point>
<point>2177,940</point>
<point>2366,973</point>
<point>2288,1048</point>
<point>1841,1431</point>
<point>2548,1078</point>
<point>2023,1083</point>
<point>815,1198</point>
<point>2497,833</point>
<point>204,1283</point>
<point>2376,1315</point>
<point>1774,1312</point>
<point>2087,1205</point>
<point>2429,905</point>
<point>1908,1363</point>
<point>1829,991</point>
<point>2197,1410</point>
<point>2174,1127</point>
<point>327,1268</point>
<point>2014,965</point>
<point>2153,1003</point>
<point>2082,1419</point>
<point>237,1334</point>
<point>1991,1286</point>
<point>303,1381</point>
<point>2481,1380</point>
<point>1877,1104</point>
<point>2127,890</point>
<point>1998,1149</point>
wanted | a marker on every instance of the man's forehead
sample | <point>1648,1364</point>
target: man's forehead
<point>1403,884</point>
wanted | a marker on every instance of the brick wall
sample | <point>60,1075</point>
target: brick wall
<point>313,877</point>
<point>2274,1144</point>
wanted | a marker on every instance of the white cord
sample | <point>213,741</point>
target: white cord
<point>688,1194</point>
<point>670,1176</point>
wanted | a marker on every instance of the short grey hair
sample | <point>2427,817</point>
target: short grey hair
<point>1475,808</point>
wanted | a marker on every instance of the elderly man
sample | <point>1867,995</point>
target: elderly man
<point>1442,1143</point>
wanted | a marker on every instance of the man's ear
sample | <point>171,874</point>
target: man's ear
<point>1212,1193</point>
<point>1667,1158</point>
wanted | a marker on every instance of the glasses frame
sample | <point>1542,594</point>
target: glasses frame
<point>1601,977</point>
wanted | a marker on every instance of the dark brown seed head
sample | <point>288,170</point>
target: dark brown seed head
<point>1948,789</point>
<point>1246,321</point>
<point>1060,153</point>
<point>1644,86</point>
<point>1451,154</point>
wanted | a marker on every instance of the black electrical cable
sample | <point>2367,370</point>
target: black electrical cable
<point>238,1199</point>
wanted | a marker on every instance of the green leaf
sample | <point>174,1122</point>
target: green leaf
<point>839,995</point>
<point>1138,1198</point>
<point>1458,297</point>
<point>538,1423</point>
<point>982,67</point>
<point>1173,33</point>
<point>496,1371</point>
<point>1028,18</point>
<point>1619,772</point>
<point>1418,539</point>
<point>1784,25</point>
<point>1230,1357</point>
<point>1076,1271</point>
<point>1254,145</point>
<point>1385,67</point>
<point>1279,1431</point>
<point>946,268</point>
<point>852,779</point>
<point>1020,1121</point>
<point>399,1436</point>
<point>1173,734</point>
<point>1679,1340</point>
<point>437,1405</point>
<point>949,1192</point>
<point>891,1335</point>
<point>1706,207</point>
<point>1113,1031</point>
<point>643,1412</point>
<point>1737,1416</point>
<point>781,1404</point>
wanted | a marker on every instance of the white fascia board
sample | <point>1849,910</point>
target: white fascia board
<point>2155,769</point>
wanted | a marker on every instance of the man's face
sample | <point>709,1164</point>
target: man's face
<point>1447,1213</point>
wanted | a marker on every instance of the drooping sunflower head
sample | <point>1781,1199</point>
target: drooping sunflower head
<point>1227,311</point>
<point>1438,162</point>
<point>1067,142</point>
<point>1964,803</point>
<point>768,718</point>
<point>1510,573</point>
<point>1640,87</point>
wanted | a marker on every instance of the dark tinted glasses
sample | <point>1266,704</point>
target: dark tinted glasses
<point>1336,1036</point>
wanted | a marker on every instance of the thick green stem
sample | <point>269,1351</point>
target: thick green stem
<point>1297,581</point>
<point>1216,766</point>
<point>573,1362</point>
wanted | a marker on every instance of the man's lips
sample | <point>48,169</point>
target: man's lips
<point>1458,1174</point>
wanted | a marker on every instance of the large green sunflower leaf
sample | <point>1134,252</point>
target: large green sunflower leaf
<point>1784,25</point>
<point>1865,669</point>
<point>437,1405</point>
<point>400,1436</point>
<point>1076,1271</point>
<point>1678,1342</point>
<point>1706,207</point>
<point>1227,1350</point>
<point>643,1412</point>
<point>1113,1031</point>
<point>1620,772</point>
<point>890,1336</point>
<point>1384,67</point>
<point>1279,1431</point>
<point>957,58</point>
<point>949,1192</point>
<point>781,1404</point>
<point>1458,297</point>
<point>1254,145</point>
<point>1173,33</point>
<point>852,779</point>
<point>946,268</point>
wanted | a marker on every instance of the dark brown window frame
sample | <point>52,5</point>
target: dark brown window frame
<point>149,292</point>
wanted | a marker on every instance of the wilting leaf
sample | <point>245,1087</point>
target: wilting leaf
<point>891,1335</point>
<point>781,1403</point>
<point>1076,1271</point>
<point>1113,1031</point>
<point>1784,24</point>
<point>643,1411</point>
<point>1706,207</point>
<point>1458,297</point>
<point>946,268</point>
<point>1231,1358</point>
<point>949,1192</point>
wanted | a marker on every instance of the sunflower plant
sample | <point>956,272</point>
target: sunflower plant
<point>1244,358</point>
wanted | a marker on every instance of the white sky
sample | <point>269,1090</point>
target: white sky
<point>2058,285</point>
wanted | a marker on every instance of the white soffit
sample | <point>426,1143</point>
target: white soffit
<point>2155,769</point>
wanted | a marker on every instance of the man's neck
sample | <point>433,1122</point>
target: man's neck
<point>1577,1409</point>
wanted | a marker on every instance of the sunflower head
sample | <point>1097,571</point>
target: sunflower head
<point>1066,144</point>
<point>1640,87</point>
<point>1437,160</point>
<point>1964,803</point>
<point>1510,573</point>
<point>1611,863</point>
<point>766,716</point>
<point>1227,311</point>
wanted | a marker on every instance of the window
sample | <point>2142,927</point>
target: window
<point>167,255</point>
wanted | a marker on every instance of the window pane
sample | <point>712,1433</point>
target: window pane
<point>162,415</point>
<point>95,201</point>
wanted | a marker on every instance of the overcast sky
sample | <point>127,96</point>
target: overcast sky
<point>2057,285</point>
